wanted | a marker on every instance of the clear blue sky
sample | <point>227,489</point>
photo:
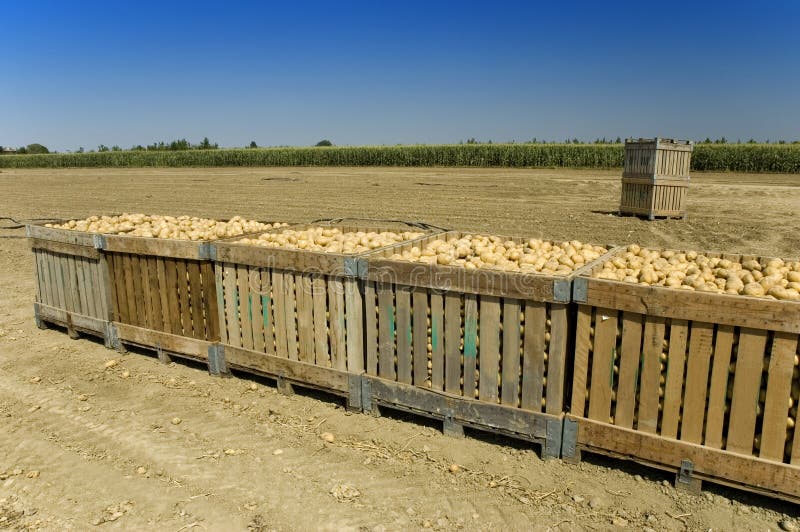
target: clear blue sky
<point>291,73</point>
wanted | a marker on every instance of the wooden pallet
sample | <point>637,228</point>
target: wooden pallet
<point>657,158</point>
<point>485,336</point>
<point>688,381</point>
<point>662,198</point>
<point>296,306</point>
<point>72,281</point>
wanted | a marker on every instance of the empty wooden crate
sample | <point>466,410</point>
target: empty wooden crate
<point>705,384</point>
<point>655,177</point>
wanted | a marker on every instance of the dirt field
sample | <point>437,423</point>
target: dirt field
<point>142,445</point>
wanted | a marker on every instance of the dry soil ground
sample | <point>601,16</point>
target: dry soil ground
<point>83,446</point>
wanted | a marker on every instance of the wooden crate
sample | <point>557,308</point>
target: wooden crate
<point>487,345</point>
<point>699,383</point>
<point>294,315</point>
<point>72,281</point>
<point>655,177</point>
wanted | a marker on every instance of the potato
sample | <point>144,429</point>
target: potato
<point>334,240</point>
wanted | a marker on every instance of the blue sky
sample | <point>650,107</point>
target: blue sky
<point>85,73</point>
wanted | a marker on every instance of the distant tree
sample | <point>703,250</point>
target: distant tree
<point>751,141</point>
<point>22,150</point>
<point>138,147</point>
<point>35,149</point>
<point>533,140</point>
<point>618,141</point>
<point>707,141</point>
<point>576,141</point>
<point>781,142</point>
<point>722,140</point>
<point>206,145</point>
<point>115,148</point>
<point>179,145</point>
<point>472,141</point>
<point>323,143</point>
<point>80,150</point>
<point>102,148</point>
<point>253,144</point>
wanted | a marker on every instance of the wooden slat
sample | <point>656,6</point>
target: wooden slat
<point>652,344</point>
<point>371,327</point>
<point>337,323</point>
<point>557,358</point>
<point>210,310</point>
<point>628,369</point>
<point>279,308</point>
<point>694,401</point>
<point>533,362</point>
<point>290,308</point>
<point>404,334</point>
<point>268,309</point>
<point>190,347</point>
<point>509,389</point>
<point>92,283</point>
<point>386,332</point>
<point>776,404</point>
<point>257,311</point>
<point>231,290</point>
<point>196,297</point>
<point>718,390</point>
<point>156,291</point>
<point>161,280</point>
<point>305,318</point>
<point>437,341</point>
<point>173,296</point>
<point>184,299</point>
<point>746,387</point>
<point>70,290</point>
<point>420,336</point>
<point>673,387</point>
<point>605,343</point>
<point>245,307</point>
<point>64,248</point>
<point>320,303</point>
<point>452,341</point>
<point>489,348</point>
<point>82,288</point>
<point>220,297</point>
<point>137,296</point>
<point>55,280</point>
<point>470,344</point>
<point>580,369</point>
<point>354,320</point>
<point>147,291</point>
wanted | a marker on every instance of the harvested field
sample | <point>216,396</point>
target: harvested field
<point>138,444</point>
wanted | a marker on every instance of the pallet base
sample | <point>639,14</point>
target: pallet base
<point>691,463</point>
<point>166,345</point>
<point>651,216</point>
<point>457,412</point>
<point>76,324</point>
<point>289,373</point>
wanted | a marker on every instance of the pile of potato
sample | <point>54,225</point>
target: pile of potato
<point>690,270</point>
<point>167,227</point>
<point>481,251</point>
<point>330,239</point>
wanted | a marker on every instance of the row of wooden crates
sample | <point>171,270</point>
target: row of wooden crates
<point>700,384</point>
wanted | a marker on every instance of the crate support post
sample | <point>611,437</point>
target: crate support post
<point>551,448</point>
<point>354,400</point>
<point>684,479</point>
<point>450,427</point>
<point>569,442</point>
<point>216,361</point>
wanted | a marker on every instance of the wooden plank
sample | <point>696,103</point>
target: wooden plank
<point>673,387</point>
<point>245,307</point>
<point>179,249</point>
<point>697,366</point>
<point>50,276</point>
<point>533,362</point>
<point>182,345</point>
<point>184,297</point>
<point>404,334</point>
<point>437,341</point>
<point>489,348</point>
<point>279,307</point>
<point>718,390</point>
<point>580,368</point>
<point>89,273</point>
<point>268,310</point>
<point>196,298</point>
<point>470,344</point>
<point>371,310</point>
<point>712,464</point>
<point>76,321</point>
<point>105,289</point>
<point>605,345</point>
<point>290,308</point>
<point>161,281</point>
<point>64,248</point>
<point>629,358</point>
<point>746,387</point>
<point>68,277</point>
<point>147,291</point>
<point>420,336</point>
<point>219,275</point>
<point>776,404</point>
<point>257,314</point>
<point>56,279</point>
<point>135,271</point>
<point>231,295</point>
<point>210,310</point>
<point>125,270</point>
<point>320,303</point>
<point>354,318</point>
<point>156,290</point>
<point>173,296</point>
<point>452,343</point>
<point>40,284</point>
<point>76,238</point>
<point>557,359</point>
<point>81,287</point>
<point>510,377</point>
<point>652,346</point>
<point>337,323</point>
<point>386,332</point>
<point>305,318</point>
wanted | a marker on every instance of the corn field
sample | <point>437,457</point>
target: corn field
<point>709,157</point>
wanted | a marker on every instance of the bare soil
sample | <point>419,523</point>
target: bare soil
<point>142,445</point>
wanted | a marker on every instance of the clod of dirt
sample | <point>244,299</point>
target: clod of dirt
<point>344,492</point>
<point>454,468</point>
<point>788,525</point>
<point>176,421</point>
<point>277,452</point>
<point>125,374</point>
<point>327,437</point>
<point>110,363</point>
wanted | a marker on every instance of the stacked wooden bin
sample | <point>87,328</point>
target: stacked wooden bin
<point>706,385</point>
<point>655,177</point>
